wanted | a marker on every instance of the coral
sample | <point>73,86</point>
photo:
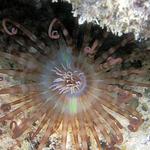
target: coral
<point>64,86</point>
<point>119,16</point>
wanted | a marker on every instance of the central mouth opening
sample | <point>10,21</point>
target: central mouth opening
<point>72,81</point>
<point>68,80</point>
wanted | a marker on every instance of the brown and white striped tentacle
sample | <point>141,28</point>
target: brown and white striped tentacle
<point>53,34</point>
<point>14,31</point>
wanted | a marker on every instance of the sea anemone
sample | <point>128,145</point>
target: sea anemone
<point>68,87</point>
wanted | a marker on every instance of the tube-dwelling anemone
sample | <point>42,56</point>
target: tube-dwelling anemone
<point>65,88</point>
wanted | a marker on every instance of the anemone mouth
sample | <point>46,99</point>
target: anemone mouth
<point>68,80</point>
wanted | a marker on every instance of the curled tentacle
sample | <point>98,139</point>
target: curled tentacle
<point>135,123</point>
<point>55,35</point>
<point>91,51</point>
<point>14,31</point>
